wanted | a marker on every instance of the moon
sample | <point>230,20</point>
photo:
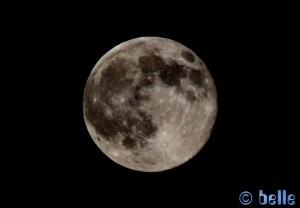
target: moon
<point>150,104</point>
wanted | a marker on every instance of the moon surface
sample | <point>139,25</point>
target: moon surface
<point>150,104</point>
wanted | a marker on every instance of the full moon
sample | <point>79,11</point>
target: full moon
<point>150,104</point>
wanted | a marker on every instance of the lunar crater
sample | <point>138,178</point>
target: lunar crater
<point>146,108</point>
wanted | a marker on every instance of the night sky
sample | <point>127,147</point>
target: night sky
<point>253,145</point>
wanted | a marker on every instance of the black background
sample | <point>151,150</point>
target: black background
<point>253,145</point>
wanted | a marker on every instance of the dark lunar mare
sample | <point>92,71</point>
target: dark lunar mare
<point>114,82</point>
<point>188,56</point>
<point>171,73</point>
